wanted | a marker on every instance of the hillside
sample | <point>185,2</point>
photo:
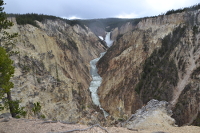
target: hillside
<point>52,68</point>
<point>151,58</point>
<point>157,59</point>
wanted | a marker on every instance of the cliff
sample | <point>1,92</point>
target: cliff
<point>52,68</point>
<point>156,59</point>
<point>151,58</point>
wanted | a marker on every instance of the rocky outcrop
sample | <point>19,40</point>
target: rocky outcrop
<point>52,68</point>
<point>154,61</point>
<point>119,31</point>
<point>154,114</point>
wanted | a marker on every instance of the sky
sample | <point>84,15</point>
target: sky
<point>90,9</point>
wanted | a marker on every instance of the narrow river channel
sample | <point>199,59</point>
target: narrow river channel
<point>96,78</point>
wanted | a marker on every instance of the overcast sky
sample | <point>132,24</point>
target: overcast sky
<point>88,9</point>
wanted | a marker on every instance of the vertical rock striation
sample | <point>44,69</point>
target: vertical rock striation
<point>155,60</point>
<point>52,68</point>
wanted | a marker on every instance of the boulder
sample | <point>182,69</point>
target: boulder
<point>155,113</point>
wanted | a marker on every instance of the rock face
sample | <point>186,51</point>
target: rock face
<point>154,114</point>
<point>52,68</point>
<point>186,111</point>
<point>156,60</point>
<point>121,30</point>
<point>151,58</point>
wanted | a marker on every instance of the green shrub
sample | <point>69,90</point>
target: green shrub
<point>19,111</point>
<point>37,108</point>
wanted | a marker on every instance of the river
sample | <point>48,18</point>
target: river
<point>96,78</point>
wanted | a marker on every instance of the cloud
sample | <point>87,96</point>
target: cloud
<point>88,9</point>
<point>125,15</point>
<point>73,17</point>
<point>165,5</point>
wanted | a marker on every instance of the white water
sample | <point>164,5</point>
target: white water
<point>101,37</point>
<point>95,83</point>
<point>107,40</point>
<point>96,78</point>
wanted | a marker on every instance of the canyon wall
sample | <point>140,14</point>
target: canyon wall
<point>53,68</point>
<point>158,58</point>
<point>116,32</point>
<point>151,58</point>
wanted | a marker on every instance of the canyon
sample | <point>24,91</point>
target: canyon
<point>154,60</point>
<point>150,58</point>
<point>53,68</point>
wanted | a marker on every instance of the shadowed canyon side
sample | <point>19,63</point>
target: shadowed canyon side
<point>53,68</point>
<point>158,59</point>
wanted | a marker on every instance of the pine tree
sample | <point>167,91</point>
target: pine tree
<point>6,39</point>
<point>6,72</point>
<point>6,66</point>
<point>4,23</point>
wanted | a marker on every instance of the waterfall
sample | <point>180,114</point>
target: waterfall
<point>96,78</point>
<point>107,40</point>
